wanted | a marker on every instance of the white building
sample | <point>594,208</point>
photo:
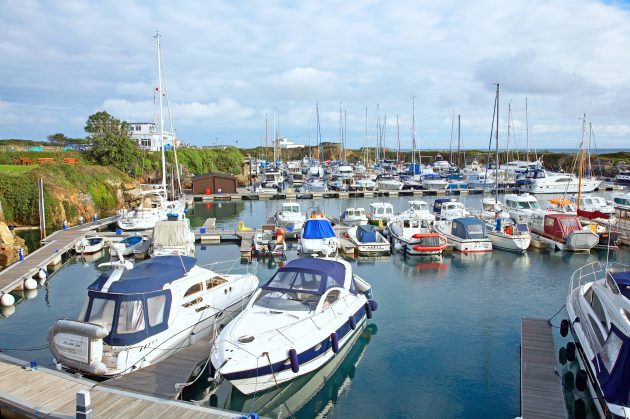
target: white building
<point>284,142</point>
<point>147,136</point>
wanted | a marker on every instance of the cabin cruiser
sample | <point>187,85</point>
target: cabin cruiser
<point>154,208</point>
<point>294,324</point>
<point>467,234</point>
<point>338,184</point>
<point>418,209</point>
<point>387,182</point>
<point>273,179</point>
<point>353,217</point>
<point>562,232</point>
<point>136,316</point>
<point>413,236</point>
<point>599,308</point>
<point>542,181</point>
<point>270,242</point>
<point>506,234</point>
<point>522,207</point>
<point>290,218</point>
<point>433,182</point>
<point>363,184</point>
<point>314,185</point>
<point>368,241</point>
<point>380,213</point>
<point>592,206</point>
<point>449,209</point>
<point>89,245</point>
<point>410,182</point>
<point>623,178</point>
<point>318,238</point>
<point>172,238</point>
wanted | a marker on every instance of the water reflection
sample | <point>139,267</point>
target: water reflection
<point>314,394</point>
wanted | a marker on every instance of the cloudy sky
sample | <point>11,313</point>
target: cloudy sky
<point>229,63</point>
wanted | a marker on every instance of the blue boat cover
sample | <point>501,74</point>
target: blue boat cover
<point>323,268</point>
<point>437,204</point>
<point>366,233</point>
<point>623,282</point>
<point>317,228</point>
<point>615,384</point>
<point>147,276</point>
<point>131,240</point>
<point>414,169</point>
<point>469,228</point>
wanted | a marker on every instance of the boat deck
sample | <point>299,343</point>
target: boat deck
<point>541,387</point>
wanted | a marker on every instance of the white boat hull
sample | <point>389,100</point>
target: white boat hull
<point>516,244</point>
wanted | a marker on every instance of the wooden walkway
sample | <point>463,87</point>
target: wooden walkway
<point>54,247</point>
<point>541,387</point>
<point>46,392</point>
<point>161,379</point>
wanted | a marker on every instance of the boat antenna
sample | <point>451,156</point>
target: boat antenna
<point>159,59</point>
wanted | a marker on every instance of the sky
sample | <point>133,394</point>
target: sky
<point>227,64</point>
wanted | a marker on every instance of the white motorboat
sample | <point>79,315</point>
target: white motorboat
<point>136,316</point>
<point>598,306</point>
<point>506,234</point>
<point>294,324</point>
<point>542,181</point>
<point>413,236</point>
<point>268,243</point>
<point>468,235</point>
<point>523,207</point>
<point>368,241</point>
<point>449,209</point>
<point>621,223</point>
<point>318,238</point>
<point>591,207</point>
<point>380,213</point>
<point>153,208</point>
<point>273,179</point>
<point>363,184</point>
<point>562,232</point>
<point>128,245</point>
<point>315,185</point>
<point>172,238</point>
<point>418,209</point>
<point>386,182</point>
<point>623,178</point>
<point>433,182</point>
<point>290,218</point>
<point>353,217</point>
<point>89,245</point>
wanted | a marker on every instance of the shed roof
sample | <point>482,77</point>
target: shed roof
<point>207,175</point>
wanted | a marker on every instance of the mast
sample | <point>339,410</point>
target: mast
<point>266,134</point>
<point>581,157</point>
<point>413,135</point>
<point>319,138</point>
<point>341,131</point>
<point>527,130</point>
<point>159,59</point>
<point>377,157</point>
<point>345,133</point>
<point>496,163</point>
<point>459,137</point>
<point>398,143</point>
<point>367,153</point>
<point>450,145</point>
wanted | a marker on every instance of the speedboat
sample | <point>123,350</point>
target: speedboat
<point>173,238</point>
<point>136,316</point>
<point>563,232</point>
<point>468,235</point>
<point>433,181</point>
<point>268,243</point>
<point>290,218</point>
<point>380,213</point>
<point>128,245</point>
<point>598,306</point>
<point>89,245</point>
<point>294,324</point>
<point>314,185</point>
<point>413,236</point>
<point>368,240</point>
<point>506,234</point>
<point>318,238</point>
<point>449,209</point>
<point>353,217</point>
<point>386,182</point>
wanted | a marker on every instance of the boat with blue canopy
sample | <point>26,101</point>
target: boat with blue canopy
<point>318,238</point>
<point>368,241</point>
<point>467,234</point>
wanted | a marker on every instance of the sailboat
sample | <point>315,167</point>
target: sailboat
<point>156,205</point>
<point>505,233</point>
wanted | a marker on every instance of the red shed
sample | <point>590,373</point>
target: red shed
<point>212,183</point>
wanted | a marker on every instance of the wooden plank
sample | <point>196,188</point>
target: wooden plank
<point>541,387</point>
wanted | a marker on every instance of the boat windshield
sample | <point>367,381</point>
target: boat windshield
<point>294,290</point>
<point>528,205</point>
<point>101,313</point>
<point>291,208</point>
<point>287,301</point>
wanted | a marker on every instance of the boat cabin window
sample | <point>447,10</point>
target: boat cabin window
<point>155,309</point>
<point>331,297</point>
<point>213,282</point>
<point>598,332</point>
<point>612,285</point>
<point>130,317</point>
<point>598,309</point>
<point>194,289</point>
<point>475,228</point>
<point>102,312</point>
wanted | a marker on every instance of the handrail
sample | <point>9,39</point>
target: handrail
<point>233,262</point>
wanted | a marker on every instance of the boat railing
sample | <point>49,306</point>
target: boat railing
<point>587,273</point>
<point>232,267</point>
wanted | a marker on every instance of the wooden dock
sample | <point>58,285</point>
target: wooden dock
<point>541,386</point>
<point>25,392</point>
<point>164,379</point>
<point>54,246</point>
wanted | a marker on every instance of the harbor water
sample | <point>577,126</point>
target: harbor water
<point>444,342</point>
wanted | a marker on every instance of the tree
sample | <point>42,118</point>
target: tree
<point>111,145</point>
<point>59,139</point>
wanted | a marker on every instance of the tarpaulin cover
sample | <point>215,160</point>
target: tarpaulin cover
<point>366,233</point>
<point>615,384</point>
<point>170,233</point>
<point>150,275</point>
<point>323,268</point>
<point>317,229</point>
<point>469,228</point>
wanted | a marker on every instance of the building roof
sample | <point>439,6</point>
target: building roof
<point>207,175</point>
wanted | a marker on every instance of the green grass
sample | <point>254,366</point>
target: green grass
<point>15,170</point>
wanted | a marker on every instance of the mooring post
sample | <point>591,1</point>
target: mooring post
<point>84,405</point>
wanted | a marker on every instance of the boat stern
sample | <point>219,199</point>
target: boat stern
<point>79,346</point>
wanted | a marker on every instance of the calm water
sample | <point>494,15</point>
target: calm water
<point>443,343</point>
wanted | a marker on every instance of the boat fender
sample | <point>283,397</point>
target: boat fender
<point>7,300</point>
<point>571,351</point>
<point>417,236</point>
<point>42,274</point>
<point>562,355</point>
<point>569,379</point>
<point>564,327</point>
<point>293,357</point>
<point>398,246</point>
<point>30,284</point>
<point>368,310</point>
<point>579,409</point>
<point>373,305</point>
<point>580,380</point>
<point>334,340</point>
<point>353,322</point>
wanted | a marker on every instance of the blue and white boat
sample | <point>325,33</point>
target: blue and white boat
<point>89,245</point>
<point>136,316</point>
<point>294,324</point>
<point>598,306</point>
<point>368,241</point>
<point>127,245</point>
<point>467,234</point>
<point>318,238</point>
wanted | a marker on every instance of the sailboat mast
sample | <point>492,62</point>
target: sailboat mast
<point>341,131</point>
<point>159,59</point>
<point>496,163</point>
<point>450,144</point>
<point>459,137</point>
<point>367,153</point>
<point>527,130</point>
<point>413,135</point>
<point>398,143</point>
<point>581,157</point>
